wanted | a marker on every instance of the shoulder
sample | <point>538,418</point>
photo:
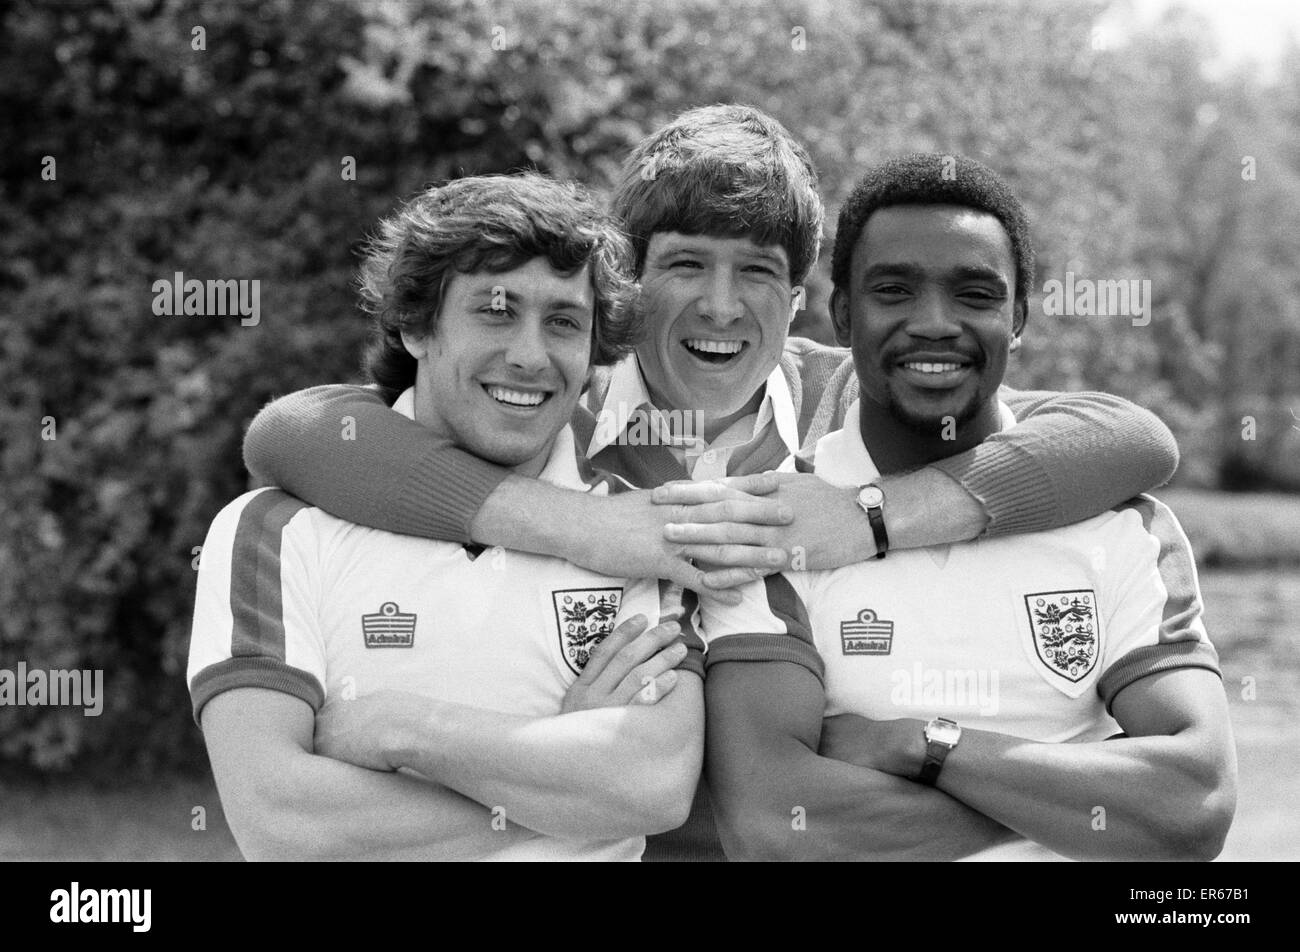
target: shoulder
<point>802,351</point>
<point>817,369</point>
<point>264,514</point>
<point>1155,519</point>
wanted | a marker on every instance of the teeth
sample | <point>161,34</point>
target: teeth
<point>931,368</point>
<point>515,398</point>
<point>715,346</point>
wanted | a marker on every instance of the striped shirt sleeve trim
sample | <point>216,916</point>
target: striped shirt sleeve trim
<point>796,645</point>
<point>679,605</point>
<point>1153,659</point>
<point>1177,570</point>
<point>1180,643</point>
<point>255,576</point>
<point>766,647</point>
<point>267,673</point>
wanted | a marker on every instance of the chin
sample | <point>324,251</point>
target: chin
<point>509,455</point>
<point>929,419</point>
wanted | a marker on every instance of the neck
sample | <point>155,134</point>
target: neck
<point>694,423</point>
<point>897,447</point>
<point>533,468</point>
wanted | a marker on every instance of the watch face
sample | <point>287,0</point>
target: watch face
<point>944,732</point>
<point>871,496</point>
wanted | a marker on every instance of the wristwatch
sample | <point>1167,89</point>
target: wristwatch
<point>941,736</point>
<point>871,499</point>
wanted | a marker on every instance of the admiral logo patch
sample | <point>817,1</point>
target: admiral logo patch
<point>584,616</point>
<point>867,634</point>
<point>1064,626</point>
<point>389,627</point>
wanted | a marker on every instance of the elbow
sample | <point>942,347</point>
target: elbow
<point>269,826</point>
<point>665,792</point>
<point>753,831</point>
<point>1161,449</point>
<point>1199,832</point>
<point>1203,836</point>
<point>752,836</point>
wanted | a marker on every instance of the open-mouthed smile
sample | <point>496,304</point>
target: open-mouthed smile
<point>517,399</point>
<point>714,353</point>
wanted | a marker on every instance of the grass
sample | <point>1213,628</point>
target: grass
<point>61,819</point>
<point>1249,529</point>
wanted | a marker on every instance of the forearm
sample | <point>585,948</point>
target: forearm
<point>927,507</point>
<point>528,515</point>
<point>778,798</point>
<point>1129,798</point>
<point>799,805</point>
<point>343,449</point>
<point>603,773</point>
<point>314,808</point>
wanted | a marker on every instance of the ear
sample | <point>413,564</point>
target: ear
<point>1020,315</point>
<point>840,317</point>
<point>798,301</point>
<point>417,347</point>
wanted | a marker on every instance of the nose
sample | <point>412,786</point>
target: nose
<point>932,318</point>
<point>722,304</point>
<point>526,350</point>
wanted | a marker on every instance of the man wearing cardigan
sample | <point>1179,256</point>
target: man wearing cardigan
<point>722,209</point>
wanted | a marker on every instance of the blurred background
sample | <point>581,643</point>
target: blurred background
<point>1150,140</point>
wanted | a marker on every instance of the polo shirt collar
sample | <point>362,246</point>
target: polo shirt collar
<point>627,392</point>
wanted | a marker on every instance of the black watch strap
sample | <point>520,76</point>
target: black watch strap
<point>871,500</point>
<point>933,764</point>
<point>877,520</point>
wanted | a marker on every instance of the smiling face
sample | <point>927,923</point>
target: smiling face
<point>929,312</point>
<point>717,312</point>
<point>501,381</point>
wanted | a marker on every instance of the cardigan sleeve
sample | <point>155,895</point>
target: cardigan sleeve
<point>344,450</point>
<point>1070,456</point>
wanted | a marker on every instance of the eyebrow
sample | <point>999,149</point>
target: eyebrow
<point>555,304</point>
<point>960,273</point>
<point>775,255</point>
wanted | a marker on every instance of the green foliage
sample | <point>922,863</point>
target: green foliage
<point>226,162</point>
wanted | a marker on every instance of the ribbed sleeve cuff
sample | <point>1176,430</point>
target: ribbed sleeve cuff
<point>693,662</point>
<point>270,673</point>
<point>766,647</point>
<point>446,490</point>
<point>1152,659</point>
<point>1014,489</point>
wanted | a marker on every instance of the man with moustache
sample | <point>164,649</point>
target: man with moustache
<point>1083,632</point>
<point>722,209</point>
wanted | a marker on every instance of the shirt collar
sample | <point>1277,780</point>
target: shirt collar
<point>627,392</point>
<point>561,467</point>
<point>842,459</point>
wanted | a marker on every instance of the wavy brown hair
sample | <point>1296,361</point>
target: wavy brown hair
<point>489,223</point>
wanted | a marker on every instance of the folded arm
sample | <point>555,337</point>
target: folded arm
<point>283,802</point>
<point>777,798</point>
<point>603,773</point>
<point>1167,791</point>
